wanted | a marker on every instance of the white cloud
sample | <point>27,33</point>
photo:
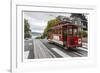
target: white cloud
<point>38,20</point>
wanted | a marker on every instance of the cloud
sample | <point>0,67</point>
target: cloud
<point>38,20</point>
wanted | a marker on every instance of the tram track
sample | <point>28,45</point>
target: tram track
<point>43,49</point>
<point>80,52</point>
<point>71,52</point>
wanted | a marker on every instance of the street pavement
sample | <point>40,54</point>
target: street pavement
<point>42,48</point>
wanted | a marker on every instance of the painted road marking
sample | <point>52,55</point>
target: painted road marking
<point>82,48</point>
<point>26,53</point>
<point>60,52</point>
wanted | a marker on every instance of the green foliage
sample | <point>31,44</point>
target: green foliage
<point>83,19</point>
<point>83,34</point>
<point>27,31</point>
<point>81,16</point>
<point>39,37</point>
<point>49,25</point>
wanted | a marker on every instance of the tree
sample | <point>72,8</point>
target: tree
<point>83,19</point>
<point>49,25</point>
<point>27,31</point>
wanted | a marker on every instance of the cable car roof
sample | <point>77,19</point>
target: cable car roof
<point>64,24</point>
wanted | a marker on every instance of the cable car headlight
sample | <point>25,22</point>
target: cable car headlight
<point>79,41</point>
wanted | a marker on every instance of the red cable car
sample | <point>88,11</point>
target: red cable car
<point>66,34</point>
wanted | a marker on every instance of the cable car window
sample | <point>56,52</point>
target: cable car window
<point>75,32</point>
<point>69,32</point>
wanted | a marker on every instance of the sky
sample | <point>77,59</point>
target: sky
<point>38,20</point>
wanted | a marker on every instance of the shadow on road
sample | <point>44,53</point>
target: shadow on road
<point>26,48</point>
<point>31,55</point>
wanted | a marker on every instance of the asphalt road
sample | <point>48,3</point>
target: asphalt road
<point>41,48</point>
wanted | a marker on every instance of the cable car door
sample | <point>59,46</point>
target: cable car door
<point>64,37</point>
